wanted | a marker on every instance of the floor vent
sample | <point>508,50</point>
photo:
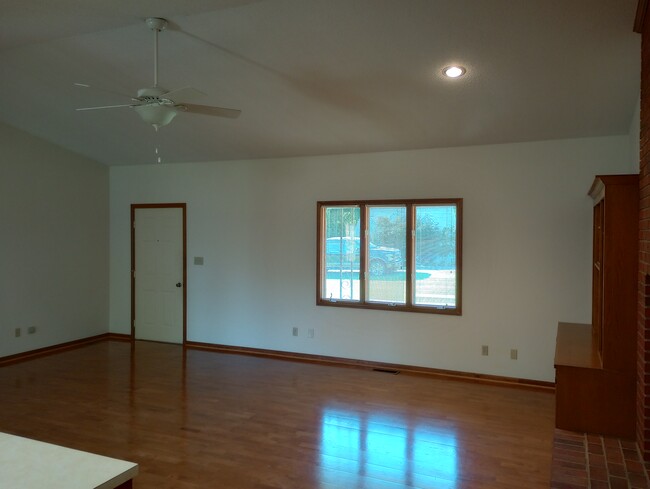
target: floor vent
<point>386,371</point>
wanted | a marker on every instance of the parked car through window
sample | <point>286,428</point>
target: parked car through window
<point>399,255</point>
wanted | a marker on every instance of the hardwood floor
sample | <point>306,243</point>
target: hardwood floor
<point>210,420</point>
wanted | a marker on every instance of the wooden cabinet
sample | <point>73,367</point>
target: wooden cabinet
<point>615,280</point>
<point>596,364</point>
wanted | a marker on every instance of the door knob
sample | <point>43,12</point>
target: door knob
<point>179,284</point>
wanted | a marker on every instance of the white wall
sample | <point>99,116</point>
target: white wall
<point>53,243</point>
<point>526,261</point>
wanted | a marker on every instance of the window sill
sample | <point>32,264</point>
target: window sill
<point>445,311</point>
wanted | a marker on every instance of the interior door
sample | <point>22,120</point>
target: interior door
<point>159,273</point>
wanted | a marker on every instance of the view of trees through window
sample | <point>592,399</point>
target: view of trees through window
<point>401,255</point>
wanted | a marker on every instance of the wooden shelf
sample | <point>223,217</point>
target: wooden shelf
<point>575,347</point>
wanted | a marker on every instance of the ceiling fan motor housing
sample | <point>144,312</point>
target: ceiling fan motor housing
<point>151,94</point>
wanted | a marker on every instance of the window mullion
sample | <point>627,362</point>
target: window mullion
<point>363,260</point>
<point>410,229</point>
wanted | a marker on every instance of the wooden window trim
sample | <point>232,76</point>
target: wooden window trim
<point>410,251</point>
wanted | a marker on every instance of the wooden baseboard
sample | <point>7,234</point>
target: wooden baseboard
<point>119,337</point>
<point>370,365</point>
<point>299,357</point>
<point>49,350</point>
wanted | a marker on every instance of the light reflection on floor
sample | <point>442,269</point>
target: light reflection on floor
<point>360,449</point>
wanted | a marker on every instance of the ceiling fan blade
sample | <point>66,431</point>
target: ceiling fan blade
<point>98,89</point>
<point>181,95</point>
<point>209,110</point>
<point>106,107</point>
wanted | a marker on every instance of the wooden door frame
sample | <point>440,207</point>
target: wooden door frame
<point>177,205</point>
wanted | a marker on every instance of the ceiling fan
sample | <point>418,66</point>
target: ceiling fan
<point>157,106</point>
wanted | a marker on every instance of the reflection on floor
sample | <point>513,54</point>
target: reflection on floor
<point>198,420</point>
<point>386,447</point>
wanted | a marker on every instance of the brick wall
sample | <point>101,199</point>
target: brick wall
<point>643,357</point>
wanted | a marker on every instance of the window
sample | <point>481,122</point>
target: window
<point>397,255</point>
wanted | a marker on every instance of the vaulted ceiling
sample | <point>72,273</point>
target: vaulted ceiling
<point>317,77</point>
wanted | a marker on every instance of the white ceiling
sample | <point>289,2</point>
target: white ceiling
<point>316,77</point>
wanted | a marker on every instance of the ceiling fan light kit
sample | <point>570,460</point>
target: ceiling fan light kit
<point>156,115</point>
<point>157,106</point>
<point>158,111</point>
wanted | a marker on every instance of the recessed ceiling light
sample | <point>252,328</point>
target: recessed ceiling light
<point>454,71</point>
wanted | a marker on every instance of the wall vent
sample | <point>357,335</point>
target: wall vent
<point>386,371</point>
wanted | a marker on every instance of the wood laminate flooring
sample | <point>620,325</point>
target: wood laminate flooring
<point>199,419</point>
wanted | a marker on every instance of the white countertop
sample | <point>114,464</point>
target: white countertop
<point>31,464</point>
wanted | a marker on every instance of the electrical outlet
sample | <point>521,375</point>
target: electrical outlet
<point>295,331</point>
<point>310,333</point>
<point>31,330</point>
<point>484,350</point>
<point>17,333</point>
<point>513,354</point>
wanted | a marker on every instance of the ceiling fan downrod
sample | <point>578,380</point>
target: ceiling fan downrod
<point>156,24</point>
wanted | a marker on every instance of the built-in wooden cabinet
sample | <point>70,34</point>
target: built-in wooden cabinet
<point>596,363</point>
<point>615,280</point>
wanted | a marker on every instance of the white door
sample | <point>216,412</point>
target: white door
<point>159,274</point>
